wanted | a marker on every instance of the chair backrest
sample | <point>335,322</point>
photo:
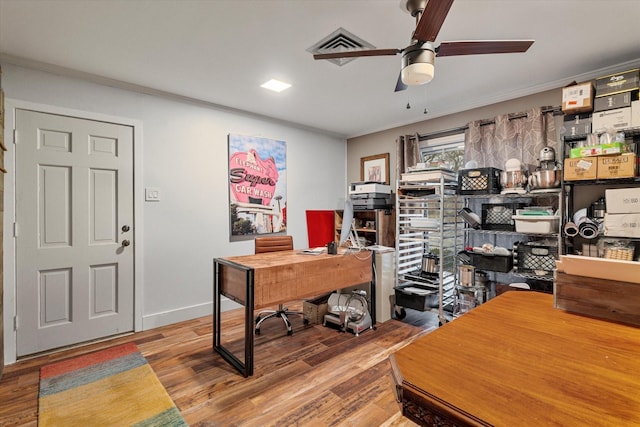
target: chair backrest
<point>273,244</point>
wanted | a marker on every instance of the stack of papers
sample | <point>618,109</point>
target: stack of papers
<point>314,251</point>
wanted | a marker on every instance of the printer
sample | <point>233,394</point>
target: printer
<point>366,187</point>
<point>370,195</point>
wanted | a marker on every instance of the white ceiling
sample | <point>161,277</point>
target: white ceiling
<point>220,51</point>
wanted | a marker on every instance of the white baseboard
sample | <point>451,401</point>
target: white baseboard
<point>156,320</point>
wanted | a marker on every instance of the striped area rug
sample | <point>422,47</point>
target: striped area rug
<point>113,387</point>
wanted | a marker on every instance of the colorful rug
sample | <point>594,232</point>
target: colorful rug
<point>113,387</point>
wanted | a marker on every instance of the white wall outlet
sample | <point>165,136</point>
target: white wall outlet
<point>152,194</point>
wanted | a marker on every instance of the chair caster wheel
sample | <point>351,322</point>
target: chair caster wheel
<point>257,331</point>
<point>305,321</point>
<point>289,333</point>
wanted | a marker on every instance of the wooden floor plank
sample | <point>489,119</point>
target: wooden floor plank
<point>316,377</point>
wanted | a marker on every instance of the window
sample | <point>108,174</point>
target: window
<point>444,151</point>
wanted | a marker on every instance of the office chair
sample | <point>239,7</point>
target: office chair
<point>274,244</point>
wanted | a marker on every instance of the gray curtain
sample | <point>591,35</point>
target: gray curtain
<point>491,145</point>
<point>407,153</point>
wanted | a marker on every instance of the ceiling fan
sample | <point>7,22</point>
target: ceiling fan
<point>418,58</point>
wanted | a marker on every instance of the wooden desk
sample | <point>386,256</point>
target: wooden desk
<point>267,279</point>
<point>517,361</point>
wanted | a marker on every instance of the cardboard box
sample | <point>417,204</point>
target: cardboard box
<point>618,82</point>
<point>580,169</point>
<point>578,98</point>
<point>617,119</point>
<point>618,100</point>
<point>315,309</point>
<point>622,200</point>
<point>635,114</point>
<point>596,150</point>
<point>576,124</point>
<point>622,166</point>
<point>622,225</point>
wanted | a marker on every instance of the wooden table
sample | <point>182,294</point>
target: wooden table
<point>517,361</point>
<point>268,279</point>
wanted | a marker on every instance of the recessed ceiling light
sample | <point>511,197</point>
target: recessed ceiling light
<point>275,85</point>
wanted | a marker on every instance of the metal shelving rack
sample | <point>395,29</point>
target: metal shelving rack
<point>426,221</point>
<point>555,199</point>
<point>594,187</point>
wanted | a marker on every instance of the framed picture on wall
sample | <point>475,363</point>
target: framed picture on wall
<point>257,186</point>
<point>375,168</point>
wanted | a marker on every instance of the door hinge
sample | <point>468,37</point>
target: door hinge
<point>15,136</point>
<point>15,323</point>
<point>15,229</point>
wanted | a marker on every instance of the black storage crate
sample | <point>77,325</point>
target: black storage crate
<point>534,258</point>
<point>421,301</point>
<point>490,262</point>
<point>499,216</point>
<point>479,181</point>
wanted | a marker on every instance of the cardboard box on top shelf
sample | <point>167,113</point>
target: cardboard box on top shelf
<point>618,100</point>
<point>622,166</point>
<point>618,119</point>
<point>619,82</point>
<point>576,124</point>
<point>578,98</point>
<point>584,168</point>
<point>622,200</point>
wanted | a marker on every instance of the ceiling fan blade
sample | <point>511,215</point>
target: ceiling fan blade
<point>400,86</point>
<point>481,47</point>
<point>357,53</point>
<point>431,20</point>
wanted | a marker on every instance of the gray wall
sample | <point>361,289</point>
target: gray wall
<point>384,142</point>
<point>184,153</point>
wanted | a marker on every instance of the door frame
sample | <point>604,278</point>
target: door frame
<point>9,241</point>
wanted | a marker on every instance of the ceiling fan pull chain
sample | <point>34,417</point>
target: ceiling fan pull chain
<point>425,101</point>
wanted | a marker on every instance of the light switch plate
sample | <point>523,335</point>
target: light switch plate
<point>152,194</point>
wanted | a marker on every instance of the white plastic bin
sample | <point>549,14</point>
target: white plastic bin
<point>536,224</point>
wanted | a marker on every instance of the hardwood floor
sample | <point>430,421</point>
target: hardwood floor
<point>316,377</point>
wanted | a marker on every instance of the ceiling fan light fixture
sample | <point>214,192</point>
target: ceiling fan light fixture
<point>417,74</point>
<point>417,65</point>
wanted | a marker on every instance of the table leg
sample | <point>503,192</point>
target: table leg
<point>245,368</point>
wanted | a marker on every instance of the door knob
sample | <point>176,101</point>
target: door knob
<point>126,243</point>
<point>125,228</point>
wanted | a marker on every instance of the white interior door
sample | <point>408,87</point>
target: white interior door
<point>74,231</point>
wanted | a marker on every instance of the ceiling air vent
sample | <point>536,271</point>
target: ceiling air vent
<point>340,40</point>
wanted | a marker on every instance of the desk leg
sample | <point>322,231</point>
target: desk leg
<point>248,327</point>
<point>245,368</point>
<point>216,304</point>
